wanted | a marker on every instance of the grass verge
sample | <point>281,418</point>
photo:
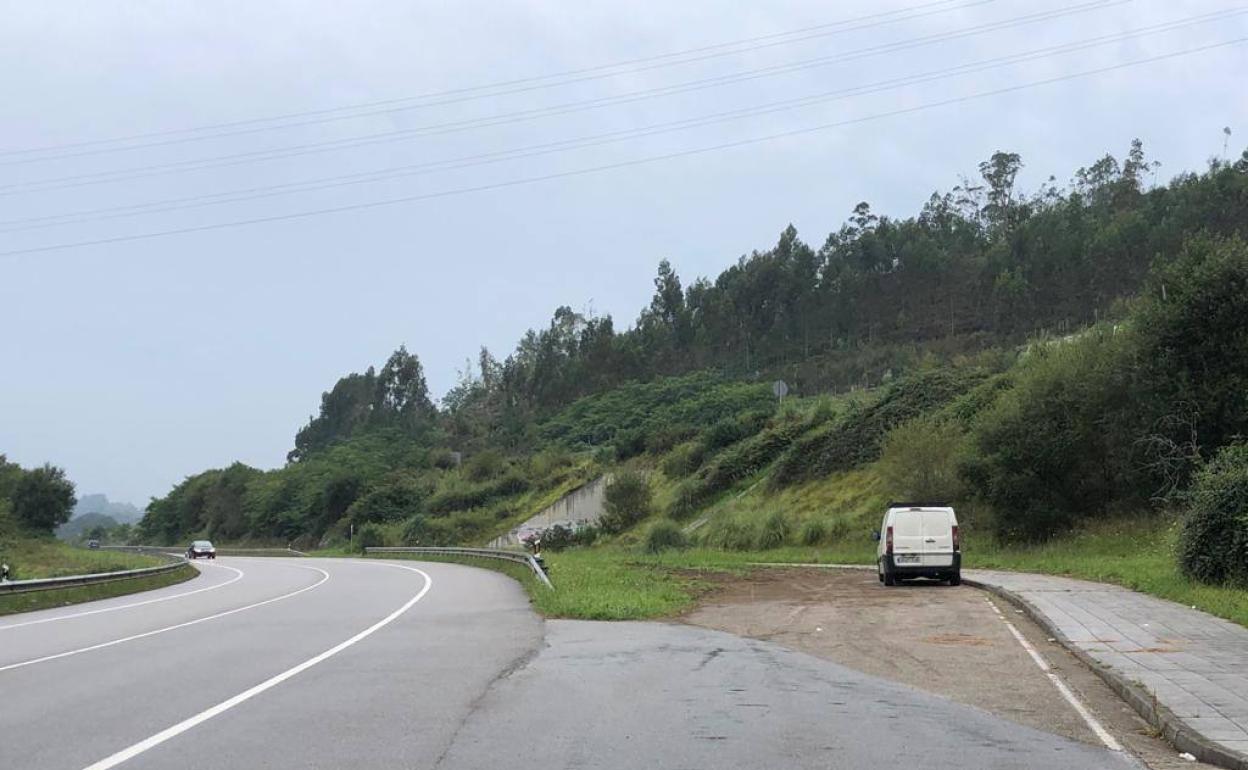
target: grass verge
<point>1137,554</point>
<point>60,597</point>
<point>31,558</point>
<point>619,583</point>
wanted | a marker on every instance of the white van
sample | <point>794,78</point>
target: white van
<point>919,540</point>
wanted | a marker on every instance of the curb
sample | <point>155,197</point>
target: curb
<point>1173,729</point>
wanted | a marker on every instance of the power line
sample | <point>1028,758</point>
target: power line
<point>468,161</point>
<point>221,161</point>
<point>611,166</point>
<point>469,93</point>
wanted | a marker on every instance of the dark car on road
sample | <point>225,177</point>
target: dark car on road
<point>93,543</point>
<point>201,549</point>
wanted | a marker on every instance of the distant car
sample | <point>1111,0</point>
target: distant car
<point>93,543</point>
<point>201,548</point>
<point>919,540</point>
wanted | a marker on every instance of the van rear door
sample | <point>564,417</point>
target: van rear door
<point>937,525</point>
<point>907,536</point>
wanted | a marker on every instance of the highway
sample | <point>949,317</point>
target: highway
<point>339,663</point>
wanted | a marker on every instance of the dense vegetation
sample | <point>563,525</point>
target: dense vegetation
<point>1044,358</point>
<point>33,501</point>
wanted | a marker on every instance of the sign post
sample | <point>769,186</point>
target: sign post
<point>780,389</point>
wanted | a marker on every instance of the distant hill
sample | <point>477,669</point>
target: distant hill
<point>80,525</point>
<point>121,513</point>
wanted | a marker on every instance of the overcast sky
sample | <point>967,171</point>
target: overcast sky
<point>138,362</point>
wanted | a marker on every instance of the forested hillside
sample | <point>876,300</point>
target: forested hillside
<point>1062,351</point>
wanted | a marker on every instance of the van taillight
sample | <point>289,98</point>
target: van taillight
<point>956,544</point>
<point>888,540</point>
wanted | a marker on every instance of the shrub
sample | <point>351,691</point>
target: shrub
<point>559,537</point>
<point>368,536</point>
<point>394,499</point>
<point>664,535</point>
<point>1190,323</point>
<point>683,460</point>
<point>813,532</point>
<point>919,460</point>
<point>722,433</point>
<point>548,461</point>
<point>732,533</point>
<point>857,435</point>
<point>461,496</point>
<point>1063,443</point>
<point>1213,544</point>
<point>662,439</point>
<point>484,465</point>
<point>416,531</point>
<point>630,443</point>
<point>627,501</point>
<point>773,532</point>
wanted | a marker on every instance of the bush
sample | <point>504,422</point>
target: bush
<point>919,460</point>
<point>397,498</point>
<point>732,533</point>
<point>416,531</point>
<point>664,535</point>
<point>559,537</point>
<point>814,532</point>
<point>722,433</point>
<point>683,460</point>
<point>856,436</point>
<point>368,536</point>
<point>1213,544</point>
<point>661,440</point>
<point>484,465</point>
<point>461,496</point>
<point>773,532</point>
<point>630,443</point>
<point>548,461</point>
<point>1062,445</point>
<point>627,501</point>
<point>1190,323</point>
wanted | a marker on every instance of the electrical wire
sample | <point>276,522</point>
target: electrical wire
<point>469,93</point>
<point>198,164</point>
<point>479,159</point>
<point>610,166</point>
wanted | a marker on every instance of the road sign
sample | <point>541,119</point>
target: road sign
<point>780,389</point>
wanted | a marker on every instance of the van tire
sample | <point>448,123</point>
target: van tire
<point>889,578</point>
<point>956,578</point>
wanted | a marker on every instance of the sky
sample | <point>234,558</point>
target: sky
<point>133,358</point>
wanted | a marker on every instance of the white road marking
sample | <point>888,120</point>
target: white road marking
<point>145,634</point>
<point>238,576</point>
<point>225,705</point>
<point>1110,741</point>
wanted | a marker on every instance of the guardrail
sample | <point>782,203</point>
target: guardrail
<point>518,557</point>
<point>70,581</point>
<point>224,550</point>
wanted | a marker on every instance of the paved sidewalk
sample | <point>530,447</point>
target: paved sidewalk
<point>1155,653</point>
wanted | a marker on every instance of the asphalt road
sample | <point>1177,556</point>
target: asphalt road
<point>314,663</point>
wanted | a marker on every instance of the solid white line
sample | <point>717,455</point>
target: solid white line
<point>1110,741</point>
<point>225,705</point>
<point>238,576</point>
<point>144,635</point>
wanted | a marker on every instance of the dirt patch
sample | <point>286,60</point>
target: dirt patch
<point>944,640</point>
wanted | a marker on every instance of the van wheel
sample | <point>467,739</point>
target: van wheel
<point>889,579</point>
<point>879,571</point>
<point>955,579</point>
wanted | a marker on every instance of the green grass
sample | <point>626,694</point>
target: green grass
<point>41,600</point>
<point>30,558</point>
<point>1137,554</point>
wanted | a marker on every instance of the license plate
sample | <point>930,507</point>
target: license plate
<point>907,558</point>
